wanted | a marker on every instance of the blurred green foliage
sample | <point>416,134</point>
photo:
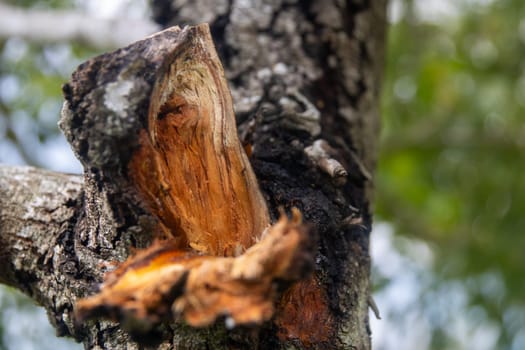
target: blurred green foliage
<point>453,143</point>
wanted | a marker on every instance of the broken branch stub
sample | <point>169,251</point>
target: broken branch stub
<point>154,127</point>
<point>165,283</point>
<point>191,167</point>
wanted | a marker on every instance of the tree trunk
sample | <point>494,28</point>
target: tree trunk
<point>304,77</point>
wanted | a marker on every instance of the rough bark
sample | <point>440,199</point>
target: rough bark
<point>38,214</point>
<point>300,72</point>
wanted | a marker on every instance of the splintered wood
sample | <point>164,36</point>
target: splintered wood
<point>191,167</point>
<point>217,255</point>
<point>164,283</point>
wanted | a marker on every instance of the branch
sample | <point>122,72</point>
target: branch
<point>38,213</point>
<point>64,26</point>
<point>35,206</point>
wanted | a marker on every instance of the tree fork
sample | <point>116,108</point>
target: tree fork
<point>300,155</point>
<point>190,176</point>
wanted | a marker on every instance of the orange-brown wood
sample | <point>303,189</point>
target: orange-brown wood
<point>304,314</point>
<point>163,283</point>
<point>191,168</point>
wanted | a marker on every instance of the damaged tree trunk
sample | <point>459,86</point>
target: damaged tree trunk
<point>168,186</point>
<point>215,255</point>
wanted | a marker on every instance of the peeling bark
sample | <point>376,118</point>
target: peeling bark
<point>305,80</point>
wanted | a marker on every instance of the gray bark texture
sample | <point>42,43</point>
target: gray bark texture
<point>305,80</point>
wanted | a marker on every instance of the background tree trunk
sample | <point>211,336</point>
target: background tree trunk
<point>300,72</point>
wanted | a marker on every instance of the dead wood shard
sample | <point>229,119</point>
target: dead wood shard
<point>164,283</point>
<point>188,171</point>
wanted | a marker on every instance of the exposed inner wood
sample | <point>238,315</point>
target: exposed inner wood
<point>191,167</point>
<point>303,314</point>
<point>163,283</point>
